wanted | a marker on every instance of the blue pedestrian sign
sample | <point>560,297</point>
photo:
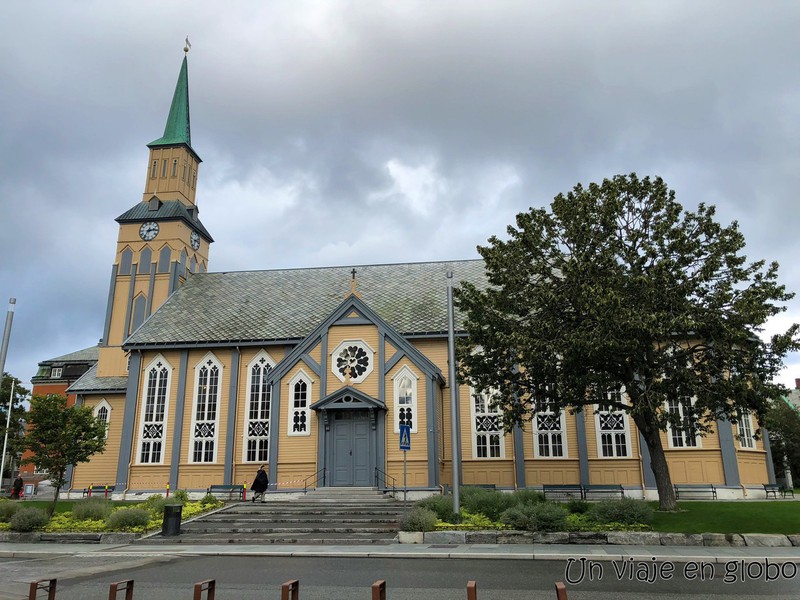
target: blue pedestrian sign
<point>405,437</point>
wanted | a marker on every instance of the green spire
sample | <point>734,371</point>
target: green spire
<point>177,130</point>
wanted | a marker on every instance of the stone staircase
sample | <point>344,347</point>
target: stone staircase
<point>323,516</point>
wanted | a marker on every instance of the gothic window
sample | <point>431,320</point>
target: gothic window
<point>685,434</point>
<point>405,398</point>
<point>193,265</point>
<point>299,402</point>
<point>745,426</point>
<point>259,401</point>
<point>155,398</point>
<point>153,170</point>
<point>183,177</point>
<point>163,259</point>
<point>549,430</point>
<point>205,413</point>
<point>611,423</point>
<point>174,167</point>
<point>125,260</point>
<point>139,309</point>
<point>487,428</point>
<point>103,412</point>
<point>164,168</point>
<point>182,267</point>
<point>145,258</point>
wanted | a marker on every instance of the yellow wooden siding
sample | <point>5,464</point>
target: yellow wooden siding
<point>695,466</point>
<point>418,455</point>
<point>297,454</point>
<point>149,477</point>
<point>417,471</point>
<point>539,471</point>
<point>102,468</point>
<point>200,476</point>
<point>752,467</point>
<point>316,353</point>
<point>365,333</point>
<point>390,350</point>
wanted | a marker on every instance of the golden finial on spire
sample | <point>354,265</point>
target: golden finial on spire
<point>187,46</point>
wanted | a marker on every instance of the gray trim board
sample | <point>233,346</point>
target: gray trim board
<point>173,277</point>
<point>768,449</point>
<point>730,466</point>
<point>380,441</point>
<point>110,304</point>
<point>583,452</point>
<point>432,438</point>
<point>177,428</point>
<point>647,467</point>
<point>230,436</point>
<point>381,367</point>
<point>274,429</point>
<point>150,288</point>
<point>353,321</point>
<point>396,357</point>
<point>128,420</point>
<point>312,364</point>
<point>323,368</point>
<point>519,456</point>
<point>126,331</point>
<point>322,441</point>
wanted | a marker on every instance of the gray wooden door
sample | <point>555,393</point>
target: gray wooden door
<point>351,448</point>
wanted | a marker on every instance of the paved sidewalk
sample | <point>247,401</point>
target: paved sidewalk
<point>427,551</point>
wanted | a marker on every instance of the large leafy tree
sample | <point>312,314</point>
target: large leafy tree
<point>61,436</point>
<point>616,286</point>
<point>12,389</point>
<point>783,422</point>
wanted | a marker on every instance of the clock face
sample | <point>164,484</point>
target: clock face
<point>148,231</point>
<point>195,240</point>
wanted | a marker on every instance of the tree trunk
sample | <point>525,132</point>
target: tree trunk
<point>658,461</point>
<point>55,497</point>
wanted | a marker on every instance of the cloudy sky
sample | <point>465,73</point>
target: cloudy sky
<point>344,132</point>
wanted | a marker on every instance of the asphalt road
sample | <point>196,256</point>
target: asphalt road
<point>260,578</point>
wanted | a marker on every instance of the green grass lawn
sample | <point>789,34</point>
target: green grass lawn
<point>731,517</point>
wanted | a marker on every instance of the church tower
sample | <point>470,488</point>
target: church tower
<point>161,240</point>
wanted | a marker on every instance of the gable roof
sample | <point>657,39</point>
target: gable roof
<point>169,210</point>
<point>288,304</point>
<point>90,383</point>
<point>90,354</point>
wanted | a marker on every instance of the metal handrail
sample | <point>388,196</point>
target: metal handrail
<point>316,477</point>
<point>386,478</point>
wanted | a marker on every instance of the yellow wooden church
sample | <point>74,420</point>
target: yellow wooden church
<point>202,377</point>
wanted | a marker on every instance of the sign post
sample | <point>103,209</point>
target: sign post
<point>405,446</point>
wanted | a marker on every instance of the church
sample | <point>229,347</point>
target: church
<point>202,377</point>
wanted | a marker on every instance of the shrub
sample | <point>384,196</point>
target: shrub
<point>442,506</point>
<point>7,510</point>
<point>516,518</point>
<point>27,519</point>
<point>96,509</point>
<point>577,507</point>
<point>489,503</point>
<point>546,516</point>
<point>625,510</point>
<point>128,518</point>
<point>419,519</point>
<point>155,504</point>
<point>208,500</point>
<point>180,496</point>
<point>527,497</point>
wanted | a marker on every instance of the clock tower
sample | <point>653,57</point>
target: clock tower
<point>161,240</point>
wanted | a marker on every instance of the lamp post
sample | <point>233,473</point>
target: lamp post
<point>3,353</point>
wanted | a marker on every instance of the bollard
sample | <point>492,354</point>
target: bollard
<point>91,485</point>
<point>43,584</point>
<point>291,587</point>
<point>561,591</point>
<point>117,587</point>
<point>379,590</point>
<point>171,525</point>
<point>106,491</point>
<point>244,492</point>
<point>208,586</point>
<point>472,590</point>
<point>167,496</point>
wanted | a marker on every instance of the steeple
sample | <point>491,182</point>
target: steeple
<point>178,127</point>
<point>173,163</point>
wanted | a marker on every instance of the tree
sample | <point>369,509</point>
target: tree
<point>16,424</point>
<point>618,289</point>
<point>783,423</point>
<point>61,436</point>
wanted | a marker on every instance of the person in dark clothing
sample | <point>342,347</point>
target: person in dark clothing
<point>260,484</point>
<point>16,488</point>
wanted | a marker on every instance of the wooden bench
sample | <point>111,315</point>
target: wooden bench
<point>695,489</point>
<point>775,489</point>
<point>592,492</point>
<point>94,490</point>
<point>567,491</point>
<point>230,489</point>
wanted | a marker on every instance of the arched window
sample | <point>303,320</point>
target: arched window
<point>155,398</point>
<point>163,259</point>
<point>405,398</point>
<point>299,403</point>
<point>259,404</point>
<point>139,309</point>
<point>125,260</point>
<point>145,258</point>
<point>103,412</point>
<point>487,428</point>
<point>205,415</point>
<point>182,267</point>
<point>193,265</point>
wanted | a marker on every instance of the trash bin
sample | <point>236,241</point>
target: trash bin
<point>171,525</point>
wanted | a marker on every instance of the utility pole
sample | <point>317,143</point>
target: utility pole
<point>3,352</point>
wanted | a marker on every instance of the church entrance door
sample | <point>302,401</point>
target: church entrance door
<point>351,448</point>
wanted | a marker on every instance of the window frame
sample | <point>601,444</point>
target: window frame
<point>270,363</point>
<point>562,431</point>
<point>164,422</point>
<point>698,444</point>
<point>475,434</point>
<point>56,372</point>
<point>209,361</point>
<point>301,375</point>
<point>746,438</point>
<point>406,372</point>
<point>626,430</point>
<point>103,404</point>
